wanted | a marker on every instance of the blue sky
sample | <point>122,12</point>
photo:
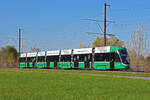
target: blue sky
<point>56,24</point>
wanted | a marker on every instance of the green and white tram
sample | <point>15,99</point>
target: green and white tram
<point>31,60</point>
<point>52,59</point>
<point>23,60</point>
<point>65,59</point>
<point>41,60</point>
<point>99,58</point>
<point>82,58</point>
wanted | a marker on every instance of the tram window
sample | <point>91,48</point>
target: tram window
<point>28,59</point>
<point>117,58</point>
<point>75,57</point>
<point>22,59</point>
<point>66,58</point>
<point>85,58</point>
<point>41,59</point>
<point>99,57</point>
<point>49,59</point>
<point>31,59</point>
<point>82,57</point>
<point>103,57</point>
<point>107,56</point>
<point>89,57</point>
<point>52,58</point>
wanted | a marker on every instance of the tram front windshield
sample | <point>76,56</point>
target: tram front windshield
<point>124,56</point>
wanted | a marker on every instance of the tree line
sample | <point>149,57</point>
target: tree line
<point>8,56</point>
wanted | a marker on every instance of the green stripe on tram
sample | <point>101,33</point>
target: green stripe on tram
<point>115,48</point>
<point>30,64</point>
<point>72,64</point>
<point>81,65</point>
<point>22,65</point>
<point>102,65</point>
<point>119,65</point>
<point>90,65</point>
<point>65,65</point>
<point>41,64</point>
<point>51,65</point>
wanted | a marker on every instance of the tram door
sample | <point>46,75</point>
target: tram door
<point>86,63</point>
<point>76,61</point>
<point>56,60</point>
<point>87,60</point>
<point>52,61</point>
<point>76,65</point>
<point>48,64</point>
<point>34,62</point>
<point>28,61</point>
<point>112,60</point>
<point>82,61</point>
<point>27,64</point>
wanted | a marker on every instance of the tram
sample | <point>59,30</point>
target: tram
<point>99,58</point>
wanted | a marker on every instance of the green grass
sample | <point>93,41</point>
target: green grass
<point>38,84</point>
<point>95,72</point>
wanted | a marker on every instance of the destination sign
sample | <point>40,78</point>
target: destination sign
<point>102,49</point>
<point>52,53</point>
<point>82,51</point>
<point>23,55</point>
<point>65,52</point>
<point>32,54</point>
<point>41,53</point>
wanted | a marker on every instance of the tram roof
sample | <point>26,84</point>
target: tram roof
<point>105,49</point>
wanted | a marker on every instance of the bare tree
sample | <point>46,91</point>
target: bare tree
<point>138,41</point>
<point>34,49</point>
<point>137,47</point>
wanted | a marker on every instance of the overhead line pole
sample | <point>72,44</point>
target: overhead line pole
<point>105,27</point>
<point>104,24</point>
<point>19,41</point>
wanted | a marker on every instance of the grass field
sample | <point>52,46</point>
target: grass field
<point>36,84</point>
